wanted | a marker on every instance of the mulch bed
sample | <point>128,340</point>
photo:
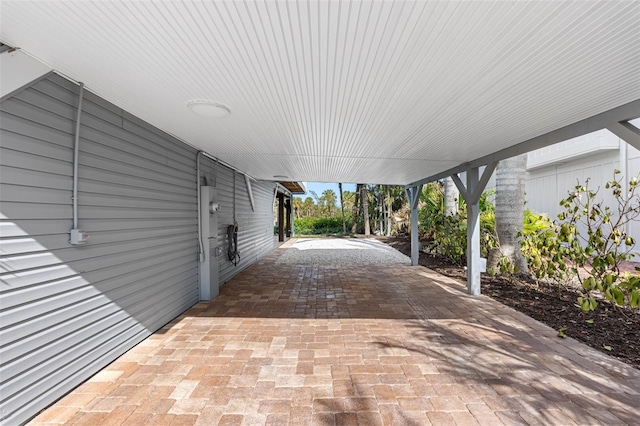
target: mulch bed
<point>610,329</point>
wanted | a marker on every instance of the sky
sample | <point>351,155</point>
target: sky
<point>319,187</point>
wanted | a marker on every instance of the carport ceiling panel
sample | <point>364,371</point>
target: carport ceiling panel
<point>331,87</point>
<point>340,169</point>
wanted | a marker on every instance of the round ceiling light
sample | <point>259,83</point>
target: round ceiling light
<point>208,108</point>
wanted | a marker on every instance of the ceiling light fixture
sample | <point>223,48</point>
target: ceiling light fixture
<point>280,177</point>
<point>208,108</point>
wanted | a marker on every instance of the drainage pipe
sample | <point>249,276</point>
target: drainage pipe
<point>76,153</point>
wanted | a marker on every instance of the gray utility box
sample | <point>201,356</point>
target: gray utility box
<point>209,210</point>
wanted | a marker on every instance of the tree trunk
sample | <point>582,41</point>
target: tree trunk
<point>365,209</point>
<point>510,180</point>
<point>381,220</point>
<point>389,201</point>
<point>451,195</point>
<point>354,210</point>
<point>344,224</point>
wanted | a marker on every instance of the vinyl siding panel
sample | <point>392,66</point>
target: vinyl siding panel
<point>67,311</point>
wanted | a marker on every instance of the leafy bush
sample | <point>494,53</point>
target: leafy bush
<point>604,244</point>
<point>594,255</point>
<point>450,237</point>
<point>541,247</point>
<point>447,235</point>
<point>318,226</point>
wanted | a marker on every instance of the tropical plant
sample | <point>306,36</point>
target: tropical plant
<point>588,243</point>
<point>327,202</point>
<point>541,247</point>
<point>446,235</point>
<point>595,241</point>
<point>309,207</point>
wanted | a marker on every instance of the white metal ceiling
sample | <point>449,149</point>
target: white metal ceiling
<point>379,92</point>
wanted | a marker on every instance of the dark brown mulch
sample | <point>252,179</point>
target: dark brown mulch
<point>552,304</point>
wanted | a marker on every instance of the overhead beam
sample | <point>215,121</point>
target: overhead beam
<point>597,122</point>
<point>627,132</point>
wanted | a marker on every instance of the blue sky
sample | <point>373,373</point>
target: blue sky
<point>319,187</point>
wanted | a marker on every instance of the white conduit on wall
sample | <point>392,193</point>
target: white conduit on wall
<point>76,153</point>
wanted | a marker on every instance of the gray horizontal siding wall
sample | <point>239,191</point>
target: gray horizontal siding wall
<point>255,228</point>
<point>67,311</point>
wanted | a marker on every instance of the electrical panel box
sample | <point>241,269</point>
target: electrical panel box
<point>209,212</point>
<point>78,237</point>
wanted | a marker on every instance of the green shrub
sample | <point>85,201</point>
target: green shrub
<point>541,247</point>
<point>447,235</point>
<point>603,244</point>
<point>588,243</point>
<point>318,226</point>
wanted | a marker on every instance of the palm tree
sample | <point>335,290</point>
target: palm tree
<point>348,197</point>
<point>389,202</point>
<point>298,206</point>
<point>309,206</point>
<point>451,195</point>
<point>510,179</point>
<point>328,200</point>
<point>344,224</point>
<point>354,225</point>
<point>365,209</point>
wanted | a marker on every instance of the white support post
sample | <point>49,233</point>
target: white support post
<point>473,234</point>
<point>414,196</point>
<point>292,219</point>
<point>471,194</point>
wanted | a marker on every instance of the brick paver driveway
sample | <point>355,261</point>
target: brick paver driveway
<point>311,344</point>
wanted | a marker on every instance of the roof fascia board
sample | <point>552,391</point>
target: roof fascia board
<point>622,113</point>
<point>19,71</point>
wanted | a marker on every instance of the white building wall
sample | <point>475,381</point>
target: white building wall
<point>553,171</point>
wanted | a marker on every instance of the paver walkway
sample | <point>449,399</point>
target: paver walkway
<point>324,345</point>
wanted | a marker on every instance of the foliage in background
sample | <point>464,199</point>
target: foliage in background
<point>312,211</point>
